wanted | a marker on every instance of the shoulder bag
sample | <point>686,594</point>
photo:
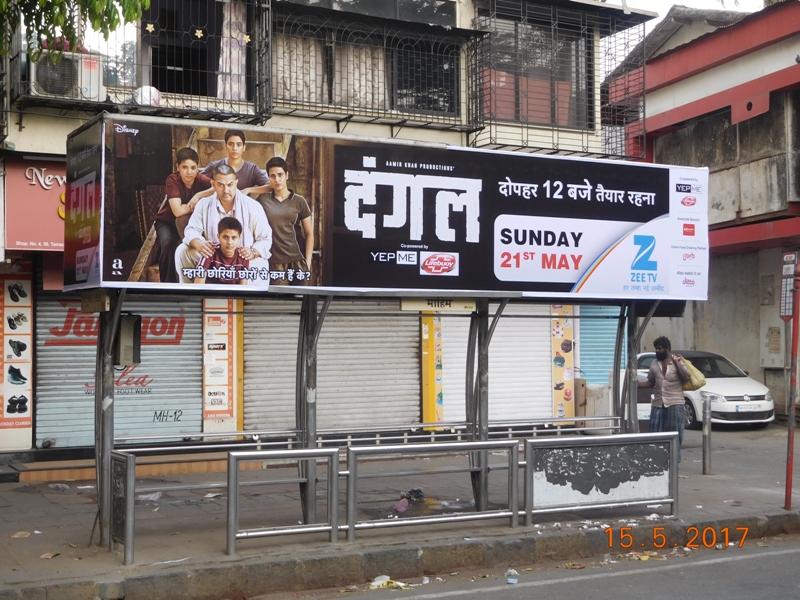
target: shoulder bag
<point>696,381</point>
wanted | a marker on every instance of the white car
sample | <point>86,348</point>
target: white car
<point>735,397</point>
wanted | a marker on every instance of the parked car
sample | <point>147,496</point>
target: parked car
<point>735,397</point>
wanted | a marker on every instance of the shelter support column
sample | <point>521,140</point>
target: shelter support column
<point>306,398</point>
<point>104,413</point>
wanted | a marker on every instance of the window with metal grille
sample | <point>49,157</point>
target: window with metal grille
<point>199,48</point>
<point>363,67</point>
<point>539,68</point>
<point>426,77</point>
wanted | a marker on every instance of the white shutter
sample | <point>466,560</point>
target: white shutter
<point>162,395</point>
<point>368,364</point>
<point>270,360</point>
<point>520,374</point>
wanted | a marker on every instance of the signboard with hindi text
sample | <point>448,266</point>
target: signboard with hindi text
<point>399,217</point>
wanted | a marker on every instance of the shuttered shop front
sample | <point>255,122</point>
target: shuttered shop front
<point>520,373</point>
<point>368,364</point>
<point>598,339</point>
<point>161,395</point>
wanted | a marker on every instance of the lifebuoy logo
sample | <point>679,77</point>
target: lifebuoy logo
<point>438,263</point>
<point>688,229</point>
<point>689,201</point>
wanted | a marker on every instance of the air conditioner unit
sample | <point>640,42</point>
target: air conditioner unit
<point>78,76</point>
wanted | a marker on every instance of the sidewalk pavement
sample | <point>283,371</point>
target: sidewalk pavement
<point>180,537</point>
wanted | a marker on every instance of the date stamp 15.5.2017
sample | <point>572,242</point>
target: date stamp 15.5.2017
<point>706,537</point>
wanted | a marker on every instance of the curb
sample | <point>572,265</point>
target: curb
<point>239,578</point>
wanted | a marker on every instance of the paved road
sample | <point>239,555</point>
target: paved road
<point>760,569</point>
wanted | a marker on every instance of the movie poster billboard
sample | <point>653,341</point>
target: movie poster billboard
<point>365,217</point>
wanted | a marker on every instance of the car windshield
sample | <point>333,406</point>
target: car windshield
<point>716,367</point>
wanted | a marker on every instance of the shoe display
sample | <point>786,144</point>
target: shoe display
<point>19,289</point>
<point>15,376</point>
<point>11,322</point>
<point>22,405</point>
<point>18,319</point>
<point>13,404</point>
<point>12,292</point>
<point>22,317</point>
<point>17,347</point>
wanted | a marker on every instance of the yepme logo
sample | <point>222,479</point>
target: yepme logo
<point>689,201</point>
<point>438,263</point>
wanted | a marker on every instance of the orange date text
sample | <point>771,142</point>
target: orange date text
<point>696,537</point>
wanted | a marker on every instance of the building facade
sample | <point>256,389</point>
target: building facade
<point>520,76</point>
<point>722,92</point>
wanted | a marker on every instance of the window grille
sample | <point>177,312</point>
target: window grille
<point>367,71</point>
<point>546,78</point>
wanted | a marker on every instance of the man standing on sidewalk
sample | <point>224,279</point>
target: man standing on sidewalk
<point>667,374</point>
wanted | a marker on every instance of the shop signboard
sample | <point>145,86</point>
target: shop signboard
<point>35,199</point>
<point>389,217</point>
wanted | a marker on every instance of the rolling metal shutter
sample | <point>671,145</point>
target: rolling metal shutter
<point>597,337</point>
<point>162,395</point>
<point>520,374</point>
<point>368,364</point>
<point>270,359</point>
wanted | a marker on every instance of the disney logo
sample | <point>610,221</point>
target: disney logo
<point>121,128</point>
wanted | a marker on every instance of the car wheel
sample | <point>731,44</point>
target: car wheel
<point>690,417</point>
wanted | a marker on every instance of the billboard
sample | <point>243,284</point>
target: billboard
<point>375,217</point>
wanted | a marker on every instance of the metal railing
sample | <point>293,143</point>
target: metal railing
<point>638,451</point>
<point>235,458</point>
<point>353,454</point>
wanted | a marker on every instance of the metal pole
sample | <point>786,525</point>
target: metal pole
<point>513,484</point>
<point>618,406</point>
<point>233,504</point>
<point>308,489</point>
<point>528,484</point>
<point>98,427</point>
<point>470,396</point>
<point>104,395</point>
<point>706,437</point>
<point>130,511</point>
<point>352,492</point>
<point>482,501</point>
<point>673,474</point>
<point>792,395</point>
<point>631,391</point>
<point>333,497</point>
<point>107,435</point>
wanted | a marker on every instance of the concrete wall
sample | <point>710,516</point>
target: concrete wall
<point>753,175</point>
<point>753,165</point>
